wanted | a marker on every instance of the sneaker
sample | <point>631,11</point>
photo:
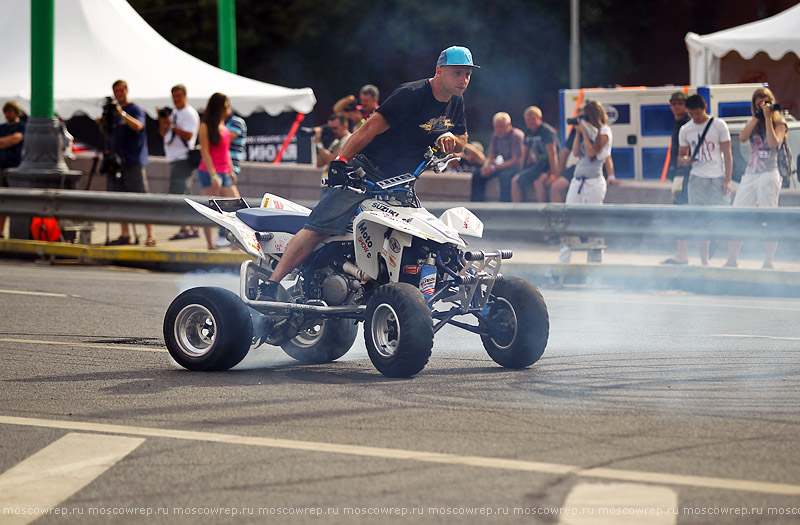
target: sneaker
<point>268,291</point>
<point>222,242</point>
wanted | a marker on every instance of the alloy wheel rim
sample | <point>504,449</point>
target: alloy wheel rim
<point>195,330</point>
<point>385,330</point>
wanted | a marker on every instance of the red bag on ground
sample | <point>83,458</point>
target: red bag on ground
<point>45,229</point>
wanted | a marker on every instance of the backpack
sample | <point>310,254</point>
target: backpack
<point>785,165</point>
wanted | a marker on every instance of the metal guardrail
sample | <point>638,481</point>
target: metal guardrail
<point>523,221</point>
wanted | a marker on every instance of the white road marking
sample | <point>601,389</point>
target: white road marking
<point>748,336</point>
<point>619,504</point>
<point>43,294</point>
<point>82,345</point>
<point>415,455</point>
<point>58,471</point>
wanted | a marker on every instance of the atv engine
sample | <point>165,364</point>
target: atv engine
<point>337,288</point>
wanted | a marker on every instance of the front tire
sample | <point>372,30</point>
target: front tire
<point>518,322</point>
<point>324,342</point>
<point>398,330</point>
<point>208,329</point>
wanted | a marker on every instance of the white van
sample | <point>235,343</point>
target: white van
<point>641,120</point>
<point>741,152</point>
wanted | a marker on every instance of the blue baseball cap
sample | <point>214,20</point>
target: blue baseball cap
<point>456,56</point>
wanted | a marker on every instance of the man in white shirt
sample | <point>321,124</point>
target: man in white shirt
<point>179,131</point>
<point>710,177</point>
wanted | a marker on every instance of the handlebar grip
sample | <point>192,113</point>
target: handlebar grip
<point>474,256</point>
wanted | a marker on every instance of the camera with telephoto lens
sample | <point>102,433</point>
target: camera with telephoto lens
<point>164,112</point>
<point>575,120</point>
<point>111,164</point>
<point>109,112</point>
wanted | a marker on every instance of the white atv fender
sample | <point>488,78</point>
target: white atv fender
<point>463,221</point>
<point>279,203</point>
<point>241,231</point>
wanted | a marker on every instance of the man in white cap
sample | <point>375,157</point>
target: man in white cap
<point>427,112</point>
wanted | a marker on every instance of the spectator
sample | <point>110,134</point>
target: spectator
<point>711,162</point>
<point>178,129</point>
<point>592,146</point>
<point>540,164</point>
<point>472,159</point>
<point>129,141</point>
<point>216,174</point>
<point>416,115</point>
<point>677,103</point>
<point>338,128</point>
<point>761,182</point>
<point>503,160</point>
<point>358,113</point>
<point>238,128</point>
<point>12,140</point>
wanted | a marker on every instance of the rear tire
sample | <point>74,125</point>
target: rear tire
<point>519,323</point>
<point>326,341</point>
<point>398,330</point>
<point>208,329</point>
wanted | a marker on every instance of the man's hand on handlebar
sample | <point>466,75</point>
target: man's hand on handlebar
<point>446,142</point>
<point>337,173</point>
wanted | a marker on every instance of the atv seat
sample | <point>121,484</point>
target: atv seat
<point>271,220</point>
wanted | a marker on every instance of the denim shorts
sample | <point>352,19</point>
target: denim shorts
<point>335,211</point>
<point>205,179</point>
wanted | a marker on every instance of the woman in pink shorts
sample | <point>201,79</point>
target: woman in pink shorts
<point>215,173</point>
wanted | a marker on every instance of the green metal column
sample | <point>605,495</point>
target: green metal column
<point>42,57</point>
<point>43,164</point>
<point>226,22</point>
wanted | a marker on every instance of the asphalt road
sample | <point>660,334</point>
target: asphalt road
<point>646,408</point>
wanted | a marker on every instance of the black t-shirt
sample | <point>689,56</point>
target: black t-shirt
<point>673,151</point>
<point>12,157</point>
<point>416,119</point>
<point>537,142</point>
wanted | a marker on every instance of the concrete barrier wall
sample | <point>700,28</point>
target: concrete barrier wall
<point>300,182</point>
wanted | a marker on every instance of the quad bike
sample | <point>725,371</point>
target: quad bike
<point>402,271</point>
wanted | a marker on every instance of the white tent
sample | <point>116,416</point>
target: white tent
<point>768,51</point>
<point>775,36</point>
<point>100,41</point>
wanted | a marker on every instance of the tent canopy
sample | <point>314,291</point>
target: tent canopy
<point>100,41</point>
<point>776,36</point>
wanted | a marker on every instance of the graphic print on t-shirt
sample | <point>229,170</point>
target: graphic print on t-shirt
<point>440,124</point>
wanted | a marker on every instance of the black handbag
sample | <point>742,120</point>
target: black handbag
<point>194,158</point>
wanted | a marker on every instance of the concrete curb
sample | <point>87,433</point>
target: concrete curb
<point>697,279</point>
<point>176,260</point>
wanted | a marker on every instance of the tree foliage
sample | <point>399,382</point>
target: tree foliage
<point>335,47</point>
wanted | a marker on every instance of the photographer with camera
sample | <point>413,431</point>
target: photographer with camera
<point>337,129</point>
<point>592,146</point>
<point>761,183</point>
<point>357,112</point>
<point>123,125</point>
<point>178,128</point>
